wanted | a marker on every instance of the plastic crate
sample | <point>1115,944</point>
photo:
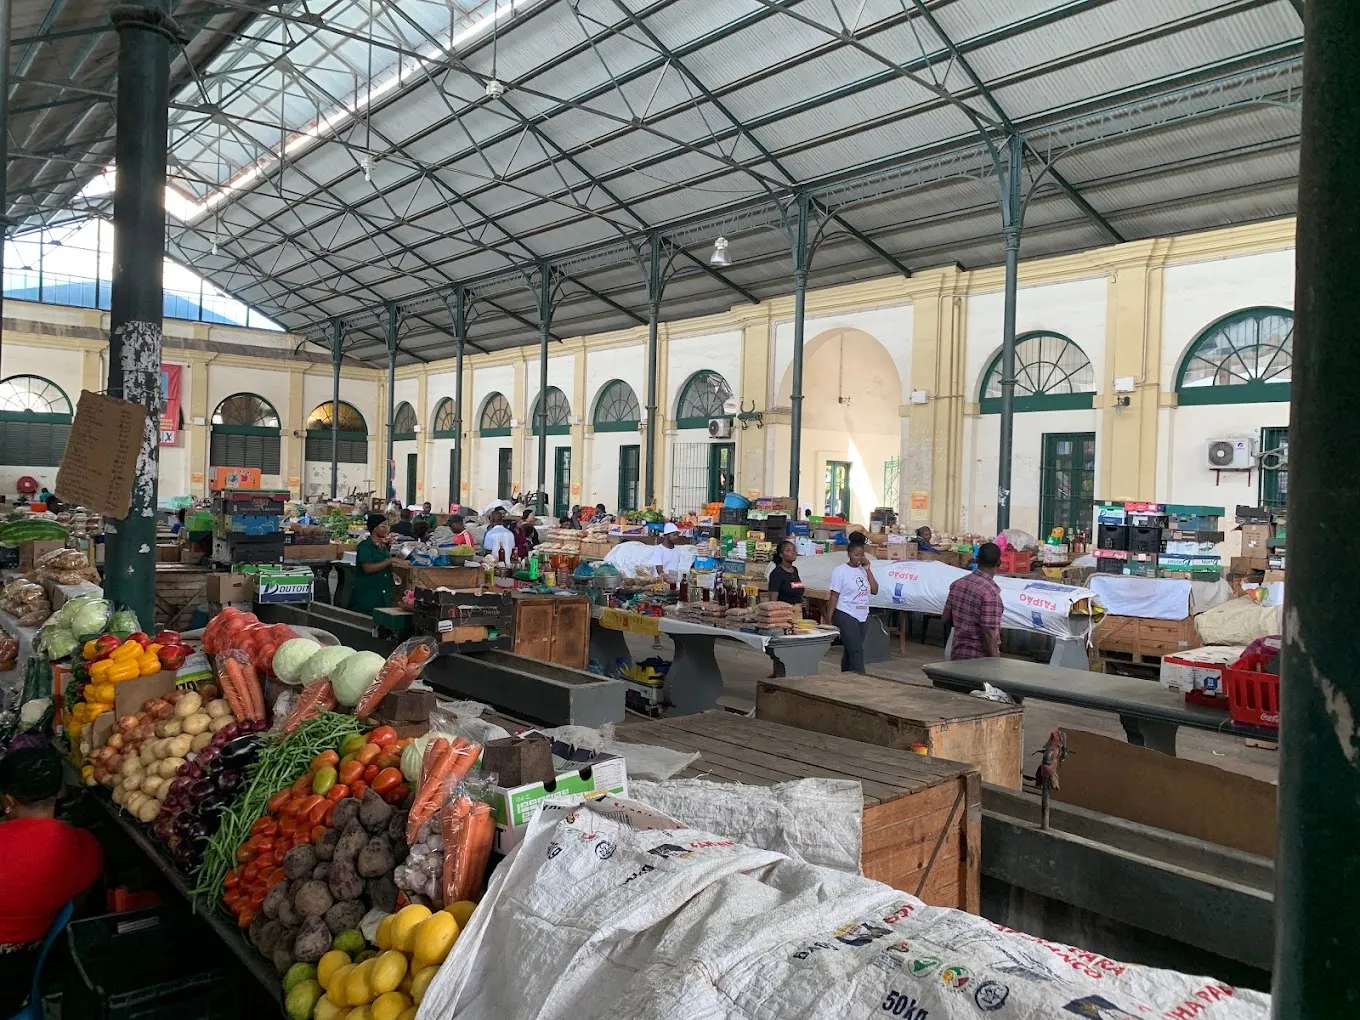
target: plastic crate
<point>1112,536</point>
<point>732,515</point>
<point>1144,540</point>
<point>1253,697</point>
<point>133,966</point>
<point>1016,561</point>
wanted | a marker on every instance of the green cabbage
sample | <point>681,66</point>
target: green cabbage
<point>58,642</point>
<point>351,678</point>
<point>75,605</point>
<point>90,620</point>
<point>323,663</point>
<point>124,623</point>
<point>292,656</point>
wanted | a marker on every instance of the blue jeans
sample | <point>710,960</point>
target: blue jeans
<point>853,633</point>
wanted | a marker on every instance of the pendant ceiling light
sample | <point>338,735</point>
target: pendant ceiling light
<point>720,257</point>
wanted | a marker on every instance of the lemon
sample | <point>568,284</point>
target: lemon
<point>388,970</point>
<point>329,964</point>
<point>434,938</point>
<point>383,937</point>
<point>421,982</point>
<point>337,990</point>
<point>327,1010</point>
<point>389,1006</point>
<point>410,1014</point>
<point>461,911</point>
<point>360,1013</point>
<point>358,985</point>
<point>404,924</point>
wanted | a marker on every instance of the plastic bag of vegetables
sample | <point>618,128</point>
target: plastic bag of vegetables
<point>123,624</point>
<point>55,640</point>
<point>89,618</point>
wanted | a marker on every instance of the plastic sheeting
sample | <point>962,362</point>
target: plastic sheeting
<point>1157,598</point>
<point>592,918</point>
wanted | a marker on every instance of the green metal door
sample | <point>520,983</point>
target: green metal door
<point>561,481</point>
<point>629,458</point>
<point>837,503</point>
<point>411,479</point>
<point>1067,482</point>
<point>721,462</point>
<point>1275,467</point>
<point>504,471</point>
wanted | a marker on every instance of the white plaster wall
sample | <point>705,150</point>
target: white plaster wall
<point>561,373</point>
<point>439,385</point>
<point>225,380</point>
<point>363,395</point>
<point>436,472</point>
<point>602,486</point>
<point>1194,294</point>
<point>891,327</point>
<point>400,451</point>
<point>1075,308</point>
<point>484,468</point>
<point>626,363</point>
<point>981,440</point>
<point>720,352</point>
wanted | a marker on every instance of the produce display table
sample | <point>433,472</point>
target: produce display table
<point>1149,713</point>
<point>922,818</point>
<point>694,680</point>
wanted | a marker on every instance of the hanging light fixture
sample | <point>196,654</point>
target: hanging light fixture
<point>366,164</point>
<point>720,258</point>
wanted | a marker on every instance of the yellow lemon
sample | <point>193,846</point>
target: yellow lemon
<point>360,1013</point>
<point>337,991</point>
<point>389,1006</point>
<point>461,911</point>
<point>388,970</point>
<point>327,1010</point>
<point>421,982</point>
<point>358,986</point>
<point>410,1014</point>
<point>328,965</point>
<point>434,938</point>
<point>384,934</point>
<point>404,925</point>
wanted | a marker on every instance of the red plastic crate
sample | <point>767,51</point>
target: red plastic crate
<point>1253,697</point>
<point>1016,561</point>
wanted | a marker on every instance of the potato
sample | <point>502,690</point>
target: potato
<point>148,810</point>
<point>221,723</point>
<point>170,766</point>
<point>119,795</point>
<point>133,781</point>
<point>200,742</point>
<point>135,800</point>
<point>130,766</point>
<point>147,752</point>
<point>178,747</point>
<point>187,705</point>
<point>219,708</point>
<point>151,785</point>
<point>196,723</point>
<point>173,728</point>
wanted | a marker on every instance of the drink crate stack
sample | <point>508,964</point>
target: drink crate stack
<point>465,621</point>
<point>1158,540</point>
<point>248,525</point>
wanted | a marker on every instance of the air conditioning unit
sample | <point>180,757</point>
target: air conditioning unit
<point>720,428</point>
<point>1231,454</point>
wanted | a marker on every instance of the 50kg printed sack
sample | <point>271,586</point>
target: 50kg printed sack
<point>591,918</point>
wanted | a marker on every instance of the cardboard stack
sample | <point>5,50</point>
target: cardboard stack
<point>1158,540</point>
<point>1262,558</point>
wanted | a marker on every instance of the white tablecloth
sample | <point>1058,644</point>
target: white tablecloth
<point>1157,598</point>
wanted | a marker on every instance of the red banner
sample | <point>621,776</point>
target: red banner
<point>171,376</point>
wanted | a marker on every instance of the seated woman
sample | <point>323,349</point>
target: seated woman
<point>46,863</point>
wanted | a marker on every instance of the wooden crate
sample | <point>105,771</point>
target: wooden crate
<point>553,628</point>
<point>922,822</point>
<point>892,714</point>
<point>1133,635</point>
<point>468,578</point>
<point>180,589</point>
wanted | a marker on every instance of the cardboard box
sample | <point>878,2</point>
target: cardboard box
<point>31,552</point>
<point>193,557</point>
<point>515,807</point>
<point>130,695</point>
<point>323,553</point>
<point>235,478</point>
<point>1274,577</point>
<point>1255,537</point>
<point>100,462</point>
<point>1200,670</point>
<point>227,588</point>
<point>1240,565</point>
<point>288,585</point>
<point>457,578</point>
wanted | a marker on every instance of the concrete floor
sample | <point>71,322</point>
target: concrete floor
<point>742,666</point>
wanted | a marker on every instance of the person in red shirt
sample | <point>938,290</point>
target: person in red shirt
<point>43,864</point>
<point>974,609</point>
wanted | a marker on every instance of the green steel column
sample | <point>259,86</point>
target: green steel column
<point>655,284</point>
<point>545,312</point>
<point>801,257</point>
<point>138,300</point>
<point>460,328</point>
<point>1012,213</point>
<point>337,355</point>
<point>4,162</point>
<point>1317,863</point>
<point>392,322</point>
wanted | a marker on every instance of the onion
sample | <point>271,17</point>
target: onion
<point>115,740</point>
<point>174,696</point>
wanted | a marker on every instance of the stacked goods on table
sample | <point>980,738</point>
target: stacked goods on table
<point>782,615</point>
<point>26,602</point>
<point>709,613</point>
<point>66,566</point>
<point>560,542</point>
<point>247,525</point>
<point>1158,540</point>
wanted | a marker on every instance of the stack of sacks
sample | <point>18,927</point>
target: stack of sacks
<point>780,615</point>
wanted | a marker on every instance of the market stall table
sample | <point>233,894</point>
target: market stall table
<point>694,680</point>
<point>1149,713</point>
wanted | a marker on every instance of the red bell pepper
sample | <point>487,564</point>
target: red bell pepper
<point>173,656</point>
<point>141,638</point>
<point>168,637</point>
<point>104,644</point>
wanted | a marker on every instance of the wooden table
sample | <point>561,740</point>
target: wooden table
<point>1149,713</point>
<point>922,818</point>
<point>894,714</point>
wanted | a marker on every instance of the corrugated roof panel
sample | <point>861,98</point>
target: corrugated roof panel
<point>911,133</point>
<point>819,77</point>
<point>682,23</point>
<point>844,156</point>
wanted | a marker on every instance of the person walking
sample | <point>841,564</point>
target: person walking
<point>974,609</point>
<point>851,585</point>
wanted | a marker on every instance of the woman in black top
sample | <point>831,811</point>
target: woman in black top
<point>784,580</point>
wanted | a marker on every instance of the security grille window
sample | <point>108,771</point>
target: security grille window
<point>245,434</point>
<point>1051,374</point>
<point>246,409</point>
<point>404,422</point>
<point>617,409</point>
<point>35,421</point>
<point>1246,357</point>
<point>445,422</point>
<point>704,396</point>
<point>496,416</point>
<point>351,445</point>
<point>558,409</point>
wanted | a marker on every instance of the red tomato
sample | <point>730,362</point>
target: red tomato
<point>403,743</point>
<point>357,788</point>
<point>382,736</point>
<point>350,771</point>
<point>317,814</point>
<point>318,831</point>
<point>287,827</point>
<point>232,880</point>
<point>367,753</point>
<point>278,800</point>
<point>329,820</point>
<point>274,878</point>
<point>371,773</point>
<point>303,783</point>
<point>397,794</point>
<point>257,898</point>
<point>385,780</point>
<point>245,917</point>
<point>305,806</point>
<point>232,901</point>
<point>264,826</point>
<point>337,792</point>
<point>387,761</point>
<point>326,759</point>
<point>264,844</point>
<point>245,853</point>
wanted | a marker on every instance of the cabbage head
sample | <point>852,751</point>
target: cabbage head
<point>351,678</point>
<point>123,624</point>
<point>58,642</point>
<point>322,664</point>
<point>292,656</point>
<point>90,620</point>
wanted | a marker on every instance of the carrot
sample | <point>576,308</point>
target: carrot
<point>315,698</point>
<point>253,690</point>
<point>479,836</point>
<point>230,679</point>
<point>383,684</point>
<point>453,824</point>
<point>445,773</point>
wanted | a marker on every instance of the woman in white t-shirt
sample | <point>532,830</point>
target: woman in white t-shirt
<point>851,585</point>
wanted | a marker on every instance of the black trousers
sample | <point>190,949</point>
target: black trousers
<point>853,633</point>
<point>16,975</point>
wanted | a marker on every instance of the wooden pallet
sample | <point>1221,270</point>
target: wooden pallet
<point>1147,667</point>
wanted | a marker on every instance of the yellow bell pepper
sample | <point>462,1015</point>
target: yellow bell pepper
<point>100,670</point>
<point>98,708</point>
<point>148,665</point>
<point>100,692</point>
<point>154,647</point>
<point>123,669</point>
<point>88,651</point>
<point>126,649</point>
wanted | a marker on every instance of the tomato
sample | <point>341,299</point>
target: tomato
<point>367,753</point>
<point>264,825</point>
<point>387,761</point>
<point>245,853</point>
<point>329,820</point>
<point>371,773</point>
<point>397,794</point>
<point>382,736</point>
<point>264,844</point>
<point>337,792</point>
<point>292,808</point>
<point>317,814</point>
<point>303,783</point>
<point>274,878</point>
<point>357,788</point>
<point>305,808</point>
<point>232,901</point>
<point>277,801</point>
<point>257,898</point>
<point>232,880</point>
<point>324,780</point>
<point>287,827</point>
<point>385,780</point>
<point>326,759</point>
<point>347,760</point>
<point>403,743</point>
<point>350,771</point>
<point>351,744</point>
<point>245,918</point>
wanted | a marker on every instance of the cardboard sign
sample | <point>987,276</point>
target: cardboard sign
<point>100,461</point>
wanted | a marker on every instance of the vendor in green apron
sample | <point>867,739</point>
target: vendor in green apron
<point>372,588</point>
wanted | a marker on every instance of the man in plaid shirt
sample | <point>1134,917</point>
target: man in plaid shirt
<point>974,608</point>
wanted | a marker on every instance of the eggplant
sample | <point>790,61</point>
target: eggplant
<point>201,790</point>
<point>239,753</point>
<point>230,782</point>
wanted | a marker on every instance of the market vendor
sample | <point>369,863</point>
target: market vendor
<point>372,586</point>
<point>404,526</point>
<point>785,583</point>
<point>851,585</point>
<point>461,535</point>
<point>499,540</point>
<point>923,537</point>
<point>46,863</point>
<point>427,515</point>
<point>666,558</point>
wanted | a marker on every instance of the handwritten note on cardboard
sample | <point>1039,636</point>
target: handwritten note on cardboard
<point>101,454</point>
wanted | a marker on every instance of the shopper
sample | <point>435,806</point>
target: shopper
<point>404,527</point>
<point>851,585</point>
<point>461,535</point>
<point>528,530</point>
<point>372,588</point>
<point>178,526</point>
<point>973,608</point>
<point>784,580</point>
<point>573,520</point>
<point>499,540</point>
<point>45,864</point>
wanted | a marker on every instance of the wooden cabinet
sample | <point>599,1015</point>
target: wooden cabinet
<point>553,628</point>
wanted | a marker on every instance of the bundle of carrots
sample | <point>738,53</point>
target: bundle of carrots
<point>240,685</point>
<point>469,832</point>
<point>445,766</point>
<point>316,697</point>
<point>397,673</point>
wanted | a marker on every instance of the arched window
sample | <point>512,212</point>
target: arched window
<point>617,408</point>
<point>703,396</point>
<point>1243,358</point>
<point>1051,374</point>
<point>404,422</point>
<point>445,419</point>
<point>245,434</point>
<point>496,416</point>
<point>35,421</point>
<point>558,409</point>
<point>351,442</point>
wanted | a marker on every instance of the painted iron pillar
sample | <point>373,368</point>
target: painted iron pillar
<point>145,36</point>
<point>1317,863</point>
<point>393,321</point>
<point>1012,221</point>
<point>461,299</point>
<point>337,356</point>
<point>802,257</point>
